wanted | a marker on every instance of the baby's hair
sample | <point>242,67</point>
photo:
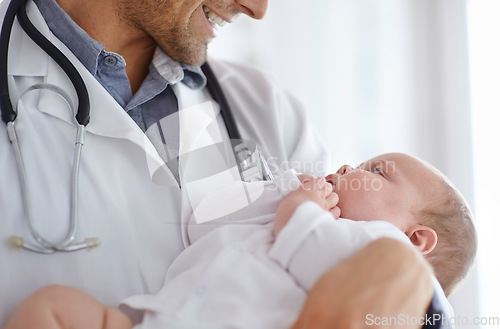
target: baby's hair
<point>451,218</point>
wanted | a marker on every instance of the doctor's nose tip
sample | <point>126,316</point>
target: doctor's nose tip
<point>344,169</point>
<point>255,9</point>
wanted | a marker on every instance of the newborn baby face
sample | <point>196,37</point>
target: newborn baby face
<point>387,187</point>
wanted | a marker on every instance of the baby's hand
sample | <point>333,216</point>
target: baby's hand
<point>317,189</point>
<point>313,189</point>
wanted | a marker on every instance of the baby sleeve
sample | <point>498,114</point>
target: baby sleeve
<point>313,242</point>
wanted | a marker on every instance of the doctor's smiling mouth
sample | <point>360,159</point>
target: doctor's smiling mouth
<point>217,13</point>
<point>184,34</point>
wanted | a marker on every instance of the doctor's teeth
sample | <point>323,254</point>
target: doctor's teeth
<point>215,19</point>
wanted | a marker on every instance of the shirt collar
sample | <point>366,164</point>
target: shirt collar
<point>174,72</point>
<point>87,50</point>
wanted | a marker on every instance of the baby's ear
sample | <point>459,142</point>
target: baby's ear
<point>423,238</point>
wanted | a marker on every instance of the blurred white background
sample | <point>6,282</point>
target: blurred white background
<point>415,76</point>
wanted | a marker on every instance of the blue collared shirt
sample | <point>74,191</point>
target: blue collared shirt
<point>109,68</point>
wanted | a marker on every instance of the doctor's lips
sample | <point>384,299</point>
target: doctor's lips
<point>213,17</point>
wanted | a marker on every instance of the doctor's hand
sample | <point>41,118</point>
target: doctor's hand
<point>387,278</point>
<point>315,189</point>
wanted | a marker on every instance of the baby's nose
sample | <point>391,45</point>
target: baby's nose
<point>344,169</point>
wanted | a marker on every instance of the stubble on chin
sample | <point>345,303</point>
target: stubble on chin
<point>188,51</point>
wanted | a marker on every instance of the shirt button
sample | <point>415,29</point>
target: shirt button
<point>110,60</point>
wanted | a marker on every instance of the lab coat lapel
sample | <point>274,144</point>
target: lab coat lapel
<point>197,114</point>
<point>222,71</point>
<point>107,118</point>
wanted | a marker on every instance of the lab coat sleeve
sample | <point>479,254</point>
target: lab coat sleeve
<point>440,313</point>
<point>313,242</point>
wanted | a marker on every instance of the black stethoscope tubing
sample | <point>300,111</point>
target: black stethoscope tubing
<point>217,94</point>
<point>19,7</point>
<point>8,113</point>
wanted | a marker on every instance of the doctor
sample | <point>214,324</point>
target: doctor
<point>140,62</point>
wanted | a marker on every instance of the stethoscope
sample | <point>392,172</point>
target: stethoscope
<point>252,165</point>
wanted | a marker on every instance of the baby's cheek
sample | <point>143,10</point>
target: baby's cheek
<point>348,205</point>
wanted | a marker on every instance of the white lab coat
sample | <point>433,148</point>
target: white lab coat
<point>127,195</point>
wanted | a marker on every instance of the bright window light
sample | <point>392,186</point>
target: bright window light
<point>484,26</point>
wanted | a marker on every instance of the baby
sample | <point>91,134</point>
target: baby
<point>416,198</point>
<point>255,272</point>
